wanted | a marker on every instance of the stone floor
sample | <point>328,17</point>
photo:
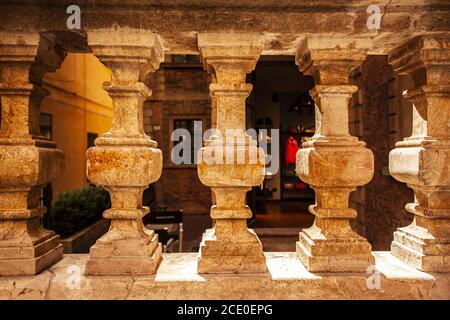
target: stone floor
<point>284,214</point>
<point>177,279</point>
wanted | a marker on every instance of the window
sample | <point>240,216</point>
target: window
<point>46,123</point>
<point>194,127</point>
<point>90,139</point>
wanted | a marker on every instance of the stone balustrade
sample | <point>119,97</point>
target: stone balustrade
<point>125,161</point>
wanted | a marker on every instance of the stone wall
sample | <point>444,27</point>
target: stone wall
<point>180,92</point>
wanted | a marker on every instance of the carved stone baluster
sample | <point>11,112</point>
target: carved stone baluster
<point>423,160</point>
<point>333,162</point>
<point>28,161</point>
<point>125,160</point>
<point>230,247</point>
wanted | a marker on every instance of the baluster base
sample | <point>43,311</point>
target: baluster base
<point>33,251</point>
<point>125,250</point>
<point>419,248</point>
<point>337,249</point>
<point>232,256</point>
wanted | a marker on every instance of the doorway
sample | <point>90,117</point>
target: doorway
<point>280,100</point>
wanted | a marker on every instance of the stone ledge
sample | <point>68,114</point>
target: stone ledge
<point>177,279</point>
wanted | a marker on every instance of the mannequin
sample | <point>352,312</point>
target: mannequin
<point>290,147</point>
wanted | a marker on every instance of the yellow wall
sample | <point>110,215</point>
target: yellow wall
<point>78,105</point>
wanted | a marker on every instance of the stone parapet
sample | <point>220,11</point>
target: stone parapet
<point>177,278</point>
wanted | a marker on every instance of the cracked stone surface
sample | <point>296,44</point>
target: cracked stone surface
<point>177,278</point>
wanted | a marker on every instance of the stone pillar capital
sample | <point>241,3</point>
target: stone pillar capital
<point>26,56</point>
<point>320,91</point>
<point>24,59</point>
<point>426,59</point>
<point>329,60</point>
<point>220,90</point>
<point>230,55</point>
<point>130,54</point>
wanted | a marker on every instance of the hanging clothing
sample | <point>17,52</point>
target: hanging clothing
<point>291,148</point>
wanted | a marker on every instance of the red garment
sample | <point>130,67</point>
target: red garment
<point>300,185</point>
<point>291,148</point>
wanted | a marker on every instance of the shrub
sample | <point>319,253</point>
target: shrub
<point>72,211</point>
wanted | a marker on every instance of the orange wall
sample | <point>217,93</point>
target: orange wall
<point>78,105</point>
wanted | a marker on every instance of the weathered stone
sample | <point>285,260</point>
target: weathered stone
<point>333,162</point>
<point>229,247</point>
<point>125,160</point>
<point>281,21</point>
<point>423,159</point>
<point>28,161</point>
<point>177,278</point>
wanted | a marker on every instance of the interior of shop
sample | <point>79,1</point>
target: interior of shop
<point>280,100</point>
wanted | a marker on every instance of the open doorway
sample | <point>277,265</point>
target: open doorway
<point>280,101</point>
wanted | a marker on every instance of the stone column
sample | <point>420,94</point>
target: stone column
<point>230,247</point>
<point>333,162</point>
<point>423,160</point>
<point>28,161</point>
<point>125,160</point>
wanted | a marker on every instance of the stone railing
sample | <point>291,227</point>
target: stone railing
<point>330,256</point>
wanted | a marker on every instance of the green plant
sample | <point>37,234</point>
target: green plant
<point>74,210</point>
